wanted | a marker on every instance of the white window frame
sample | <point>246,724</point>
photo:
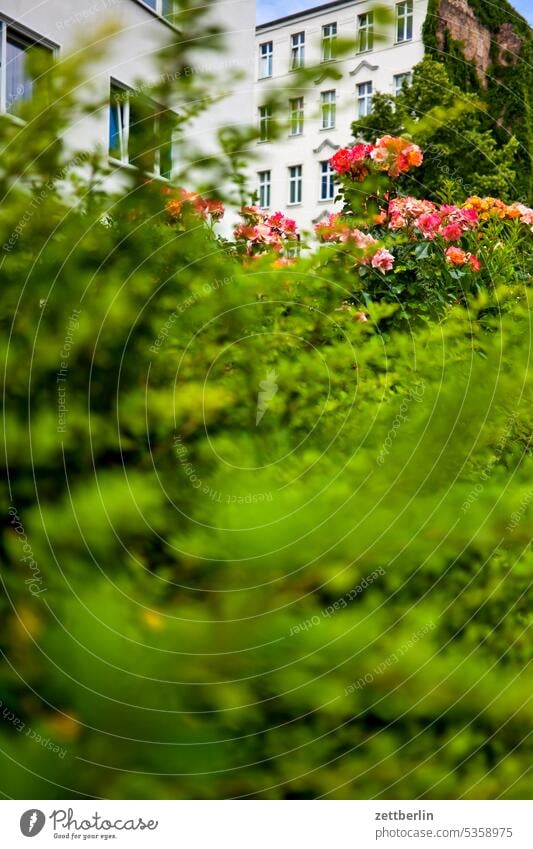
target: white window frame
<point>364,98</point>
<point>266,58</point>
<point>265,116</point>
<point>296,116</point>
<point>404,21</point>
<point>124,133</point>
<point>265,185</point>
<point>327,171</point>
<point>297,50</point>
<point>365,32</point>
<point>328,109</point>
<point>295,185</point>
<point>398,81</point>
<point>159,10</point>
<point>329,37</point>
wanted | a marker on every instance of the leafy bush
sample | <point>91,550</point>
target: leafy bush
<point>464,154</point>
<point>253,545</point>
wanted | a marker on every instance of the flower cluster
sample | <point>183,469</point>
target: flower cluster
<point>391,154</point>
<point>261,231</point>
<point>447,221</point>
<point>336,229</point>
<point>457,256</point>
<point>352,161</point>
<point>396,155</point>
<point>206,208</point>
<point>487,208</point>
<point>406,211</point>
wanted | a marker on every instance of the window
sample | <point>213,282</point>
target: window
<point>404,21</point>
<point>328,107</point>
<point>295,184</point>
<point>329,37</point>
<point>296,109</point>
<point>327,181</point>
<point>140,132</point>
<point>297,50</point>
<point>16,83</point>
<point>265,116</point>
<point>119,124</point>
<point>366,32</point>
<point>399,80</point>
<point>266,53</point>
<point>364,99</point>
<point>162,7</point>
<point>264,189</point>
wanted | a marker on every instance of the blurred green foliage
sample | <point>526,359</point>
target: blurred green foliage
<point>457,131</point>
<point>165,642</point>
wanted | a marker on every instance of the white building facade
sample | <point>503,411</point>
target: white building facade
<point>128,67</point>
<point>292,172</point>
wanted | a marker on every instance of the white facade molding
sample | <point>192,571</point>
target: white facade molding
<point>366,66</point>
<point>325,144</point>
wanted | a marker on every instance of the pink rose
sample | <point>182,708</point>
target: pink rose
<point>383,260</point>
<point>429,224</point>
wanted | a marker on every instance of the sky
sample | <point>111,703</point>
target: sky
<point>268,10</point>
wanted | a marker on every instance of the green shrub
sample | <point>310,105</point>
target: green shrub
<point>328,602</point>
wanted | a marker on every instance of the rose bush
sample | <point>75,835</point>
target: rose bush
<point>163,551</point>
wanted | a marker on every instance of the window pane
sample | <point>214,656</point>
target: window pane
<point>295,184</point>
<point>264,189</point>
<point>296,106</point>
<point>115,131</point>
<point>19,84</point>
<point>264,123</point>
<point>327,186</point>
<point>297,50</point>
<point>329,35</point>
<point>265,59</point>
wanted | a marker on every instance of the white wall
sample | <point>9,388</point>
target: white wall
<point>130,53</point>
<point>385,60</point>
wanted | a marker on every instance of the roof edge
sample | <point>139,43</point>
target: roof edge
<point>311,10</point>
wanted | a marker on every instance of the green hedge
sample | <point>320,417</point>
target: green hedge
<point>332,602</point>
